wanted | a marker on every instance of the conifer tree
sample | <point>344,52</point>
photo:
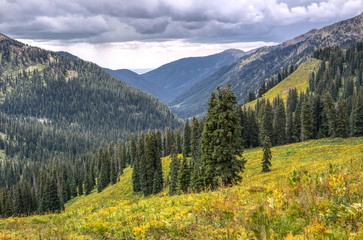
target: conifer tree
<point>266,128</point>
<point>136,173</point>
<point>342,120</point>
<point>307,119</point>
<point>357,116</point>
<point>195,142</point>
<point>132,145</point>
<point>196,182</point>
<point>280,123</point>
<point>266,160</point>
<point>104,175</point>
<point>289,127</point>
<point>113,162</point>
<point>54,200</point>
<point>174,169</point>
<point>88,186</point>
<point>297,123</point>
<point>184,176</point>
<point>330,114</point>
<point>208,142</point>
<point>222,144</point>
<point>187,138</point>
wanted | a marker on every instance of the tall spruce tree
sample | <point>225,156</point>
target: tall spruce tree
<point>136,172</point>
<point>174,169</point>
<point>187,138</point>
<point>266,128</point>
<point>280,122</point>
<point>184,176</point>
<point>357,116</point>
<point>150,153</point>
<point>222,144</point>
<point>342,119</point>
<point>329,111</point>
<point>267,156</point>
<point>297,123</point>
<point>307,119</point>
<point>195,142</point>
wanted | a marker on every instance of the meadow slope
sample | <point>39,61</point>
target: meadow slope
<point>299,79</point>
<point>314,191</point>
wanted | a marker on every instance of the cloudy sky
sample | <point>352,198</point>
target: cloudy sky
<point>139,34</point>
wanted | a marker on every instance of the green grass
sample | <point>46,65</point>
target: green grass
<point>299,79</point>
<point>310,184</point>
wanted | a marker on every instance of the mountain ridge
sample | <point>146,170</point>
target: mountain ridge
<point>248,72</point>
<point>178,76</point>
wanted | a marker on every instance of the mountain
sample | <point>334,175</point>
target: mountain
<point>137,81</point>
<point>248,72</point>
<point>74,94</point>
<point>178,76</point>
<point>68,55</point>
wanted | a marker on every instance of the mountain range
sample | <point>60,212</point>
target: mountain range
<point>186,84</point>
<point>177,77</point>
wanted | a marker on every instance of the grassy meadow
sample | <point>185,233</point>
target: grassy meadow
<point>299,79</point>
<point>314,191</point>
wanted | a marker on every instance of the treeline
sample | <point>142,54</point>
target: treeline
<point>212,152</point>
<point>331,106</point>
<point>270,83</point>
<point>50,174</point>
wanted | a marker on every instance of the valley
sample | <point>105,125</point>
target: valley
<point>265,143</point>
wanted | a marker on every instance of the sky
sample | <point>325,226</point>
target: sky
<point>144,34</point>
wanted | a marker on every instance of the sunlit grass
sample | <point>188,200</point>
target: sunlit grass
<point>299,79</point>
<point>314,191</point>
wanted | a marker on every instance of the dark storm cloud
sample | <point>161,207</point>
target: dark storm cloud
<point>151,20</point>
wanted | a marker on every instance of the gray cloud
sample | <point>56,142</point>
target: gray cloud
<point>158,20</point>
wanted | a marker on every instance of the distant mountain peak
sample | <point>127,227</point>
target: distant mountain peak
<point>2,36</point>
<point>300,38</point>
<point>235,52</point>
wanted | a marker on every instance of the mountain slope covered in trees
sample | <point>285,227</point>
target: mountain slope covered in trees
<point>74,94</point>
<point>137,81</point>
<point>248,73</point>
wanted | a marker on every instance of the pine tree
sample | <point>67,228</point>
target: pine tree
<point>307,119</point>
<point>132,149</point>
<point>208,142</point>
<point>196,181</point>
<point>184,176</point>
<point>113,162</point>
<point>174,169</point>
<point>280,123</point>
<point>88,186</point>
<point>187,138</point>
<point>357,116</point>
<point>266,160</point>
<point>297,123</point>
<point>342,119</point>
<point>222,144</point>
<point>54,200</point>
<point>138,168</point>
<point>289,127</point>
<point>195,142</point>
<point>266,128</point>
<point>104,175</point>
<point>329,111</point>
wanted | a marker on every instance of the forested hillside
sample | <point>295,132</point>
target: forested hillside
<point>56,112</point>
<point>74,94</point>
